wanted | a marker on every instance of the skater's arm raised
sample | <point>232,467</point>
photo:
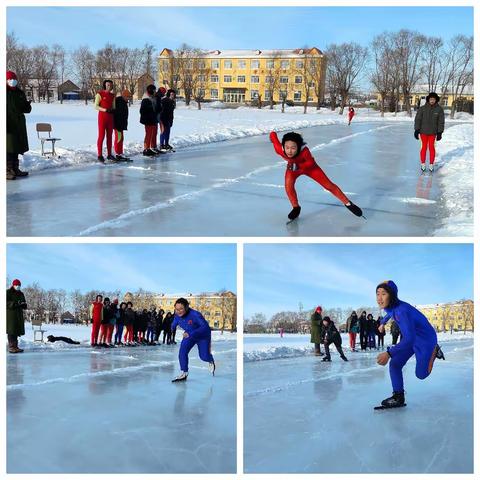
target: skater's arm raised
<point>277,145</point>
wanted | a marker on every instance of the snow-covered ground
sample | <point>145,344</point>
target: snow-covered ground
<point>74,409</point>
<point>305,416</point>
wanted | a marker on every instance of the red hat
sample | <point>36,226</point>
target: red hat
<point>11,75</point>
<point>16,282</point>
<point>318,309</point>
<point>162,90</point>
<point>115,300</point>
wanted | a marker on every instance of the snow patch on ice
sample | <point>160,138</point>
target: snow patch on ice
<point>416,200</point>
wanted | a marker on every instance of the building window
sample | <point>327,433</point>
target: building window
<point>202,64</point>
<point>283,94</point>
<point>227,78</point>
<point>255,79</point>
<point>311,84</point>
<point>215,64</point>
<point>253,94</point>
<point>299,64</point>
<point>298,79</point>
<point>268,79</point>
<point>241,79</point>
<point>227,64</point>
<point>201,93</point>
<point>242,64</point>
<point>284,64</point>
<point>270,64</point>
<point>283,79</point>
<point>268,95</point>
<point>214,78</point>
<point>297,96</point>
<point>201,78</point>
<point>255,64</point>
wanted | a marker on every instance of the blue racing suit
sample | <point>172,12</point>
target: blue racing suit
<point>418,337</point>
<point>199,333</point>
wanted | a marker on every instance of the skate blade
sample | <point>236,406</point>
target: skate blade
<point>177,380</point>
<point>383,407</point>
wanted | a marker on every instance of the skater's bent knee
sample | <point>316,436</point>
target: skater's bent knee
<point>422,375</point>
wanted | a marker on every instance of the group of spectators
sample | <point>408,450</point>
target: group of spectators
<point>115,324</point>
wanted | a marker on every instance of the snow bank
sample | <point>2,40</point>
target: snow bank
<point>272,347</point>
<point>455,173</point>
<point>76,124</point>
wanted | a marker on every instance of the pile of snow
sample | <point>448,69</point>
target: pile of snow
<point>455,173</point>
<point>81,333</point>
<point>258,347</point>
<point>76,124</point>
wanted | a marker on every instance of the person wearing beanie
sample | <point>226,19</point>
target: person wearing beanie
<point>429,125</point>
<point>196,331</point>
<point>16,304</point>
<point>105,104</point>
<point>120,123</point>
<point>159,95</point>
<point>301,162</point>
<point>166,117</point>
<point>316,330</point>
<point>105,322</point>
<point>17,138</point>
<point>331,335</point>
<point>418,338</point>
<point>148,118</point>
<point>95,312</point>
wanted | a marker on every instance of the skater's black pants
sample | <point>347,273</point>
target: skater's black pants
<point>168,335</point>
<point>380,341</point>
<point>338,345</point>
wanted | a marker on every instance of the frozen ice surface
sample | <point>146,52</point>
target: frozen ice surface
<point>79,410</point>
<point>305,416</point>
<point>236,188</point>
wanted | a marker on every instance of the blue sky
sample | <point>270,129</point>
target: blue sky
<point>165,268</point>
<point>228,27</point>
<point>278,277</point>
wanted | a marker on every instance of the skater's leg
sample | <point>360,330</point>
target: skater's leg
<point>338,345</point>
<point>423,149</point>
<point>101,132</point>
<point>154,135</point>
<point>119,142</point>
<point>431,148</point>
<point>327,350</point>
<point>205,349</point>
<point>425,356</point>
<point>109,131</point>
<point>185,347</point>
<point>319,176</point>
<point>396,365</point>
<point>290,179</point>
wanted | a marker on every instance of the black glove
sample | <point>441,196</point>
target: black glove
<point>416,134</point>
<point>110,110</point>
<point>439,136</point>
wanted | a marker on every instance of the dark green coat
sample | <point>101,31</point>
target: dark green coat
<point>17,106</point>
<point>430,120</point>
<point>315,329</point>
<point>15,306</point>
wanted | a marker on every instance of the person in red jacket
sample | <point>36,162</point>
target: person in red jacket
<point>105,104</point>
<point>300,162</point>
<point>351,113</point>
<point>96,316</point>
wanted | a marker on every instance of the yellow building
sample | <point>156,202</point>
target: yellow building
<point>450,316</point>
<point>245,76</point>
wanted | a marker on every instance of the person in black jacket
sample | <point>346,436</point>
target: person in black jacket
<point>166,117</point>
<point>395,331</point>
<point>371,330</point>
<point>380,334</point>
<point>129,324</point>
<point>363,331</point>
<point>158,324</point>
<point>148,117</point>
<point>330,335</point>
<point>167,328</point>
<point>120,123</point>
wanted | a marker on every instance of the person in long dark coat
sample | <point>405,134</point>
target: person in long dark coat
<point>120,123</point>
<point>17,139</point>
<point>315,330</point>
<point>16,304</point>
<point>166,117</point>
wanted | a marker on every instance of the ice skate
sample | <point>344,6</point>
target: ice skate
<point>437,353</point>
<point>181,378</point>
<point>354,209</point>
<point>423,167</point>
<point>294,213</point>
<point>101,159</point>
<point>397,400</point>
<point>326,359</point>
<point>430,167</point>
<point>344,358</point>
<point>211,368</point>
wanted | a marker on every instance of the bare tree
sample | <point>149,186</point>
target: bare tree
<point>303,70</point>
<point>432,60</point>
<point>345,63</point>
<point>134,63</point>
<point>273,72</point>
<point>20,59</point>
<point>383,67</point>
<point>83,61</point>
<point>318,67</point>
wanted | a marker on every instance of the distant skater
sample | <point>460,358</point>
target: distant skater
<point>300,162</point>
<point>351,114</point>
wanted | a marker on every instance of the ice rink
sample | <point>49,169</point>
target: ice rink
<point>78,410</point>
<point>305,416</point>
<point>235,188</point>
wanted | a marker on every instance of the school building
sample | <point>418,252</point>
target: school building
<point>450,316</point>
<point>246,76</point>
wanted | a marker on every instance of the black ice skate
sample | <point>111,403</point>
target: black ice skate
<point>344,358</point>
<point>294,213</point>
<point>397,400</point>
<point>211,368</point>
<point>326,359</point>
<point>355,209</point>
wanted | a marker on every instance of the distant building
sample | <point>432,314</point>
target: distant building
<point>68,91</point>
<point>457,316</point>
<point>67,317</point>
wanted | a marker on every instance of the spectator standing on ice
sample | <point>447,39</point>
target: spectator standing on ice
<point>148,118</point>
<point>352,327</point>
<point>17,138</point>
<point>395,332</point>
<point>418,338</point>
<point>96,315</point>
<point>151,326</point>
<point>196,331</point>
<point>16,304</point>
<point>159,95</point>
<point>120,324</point>
<point>105,104</point>
<point>113,321</point>
<point>120,123</point>
<point>129,324</point>
<point>158,324</point>
<point>331,335</point>
<point>315,330</point>
<point>105,326</point>
<point>429,125</point>
<point>166,117</point>
<point>301,162</point>
<point>167,328</point>
<point>351,114</point>
<point>363,331</point>
<point>380,334</point>
<point>371,331</point>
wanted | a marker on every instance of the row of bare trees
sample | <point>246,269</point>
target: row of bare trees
<point>43,66</point>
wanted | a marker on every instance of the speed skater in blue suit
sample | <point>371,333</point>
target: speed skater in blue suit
<point>196,331</point>
<point>418,338</point>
